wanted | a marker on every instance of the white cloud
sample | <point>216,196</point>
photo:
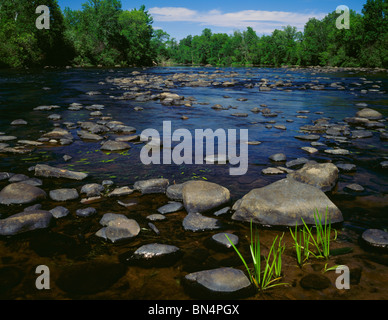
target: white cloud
<point>260,20</point>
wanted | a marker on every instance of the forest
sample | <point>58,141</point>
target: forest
<point>103,34</point>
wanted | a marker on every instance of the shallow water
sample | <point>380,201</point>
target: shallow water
<point>21,91</point>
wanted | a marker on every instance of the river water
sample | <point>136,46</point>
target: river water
<point>296,105</point>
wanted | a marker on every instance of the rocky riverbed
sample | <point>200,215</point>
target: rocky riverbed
<point>75,196</point>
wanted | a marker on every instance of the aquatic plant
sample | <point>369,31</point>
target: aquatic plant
<point>268,276</point>
<point>301,239</point>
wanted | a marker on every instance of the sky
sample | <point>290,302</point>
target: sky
<point>180,18</point>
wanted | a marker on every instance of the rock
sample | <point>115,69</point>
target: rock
<point>34,207</point>
<point>108,217</point>
<point>310,149</point>
<point>88,135</point>
<point>354,187</point>
<point>87,212</point>
<point>18,122</point>
<point>151,186</point>
<point>21,193</point>
<point>92,189</point>
<point>18,178</point>
<point>58,134</point>
<point>284,203</point>
<point>197,222</point>
<point>315,281</point>
<point>121,191</point>
<point>239,114</point>
<point>7,138</point>
<point>202,196</point>
<point>111,145</point>
<point>170,207</point>
<point>63,194</point>
<point>222,240</point>
<point>59,212</point>
<point>278,157</point>
<point>153,228</point>
<point>384,164</point>
<point>25,221</point>
<point>346,167</point>
<point>337,151</point>
<point>369,114</point>
<point>296,163</point>
<point>119,229</point>
<point>132,137</point>
<point>90,277</point>
<point>280,127</point>
<point>156,217</point>
<point>225,283</point>
<point>174,191</point>
<point>361,134</point>
<point>321,175</point>
<point>270,171</point>
<point>222,211</point>
<point>308,137</point>
<point>375,238</point>
<point>154,255</point>
<point>42,170</point>
<point>54,117</point>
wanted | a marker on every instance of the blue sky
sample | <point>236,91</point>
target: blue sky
<point>180,18</point>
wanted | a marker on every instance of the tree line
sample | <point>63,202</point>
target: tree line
<point>102,33</point>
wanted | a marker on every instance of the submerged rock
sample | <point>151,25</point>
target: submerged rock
<point>63,194</point>
<point>226,283</point>
<point>117,227</point>
<point>25,221</point>
<point>197,222</point>
<point>170,207</point>
<point>376,238</point>
<point>21,193</point>
<point>111,145</point>
<point>369,114</point>
<point>284,203</point>
<point>154,255</point>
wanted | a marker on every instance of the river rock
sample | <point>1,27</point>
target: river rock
<point>92,189</point>
<point>170,207</point>
<point>308,137</point>
<point>361,134</point>
<point>119,228</point>
<point>337,151</point>
<point>18,122</point>
<point>58,134</point>
<point>154,255</point>
<point>375,238</point>
<point>369,114</point>
<point>271,171</point>
<point>225,283</point>
<point>151,186</point>
<point>278,157</point>
<point>197,222</point>
<point>18,178</point>
<point>121,191</point>
<point>88,135</point>
<point>346,167</point>
<point>25,221</point>
<point>221,239</point>
<point>284,203</point>
<point>63,194</point>
<point>321,175</point>
<point>21,193</point>
<point>354,187</point>
<point>296,163</point>
<point>59,212</point>
<point>87,212</point>
<point>174,191</point>
<point>43,170</point>
<point>111,145</point>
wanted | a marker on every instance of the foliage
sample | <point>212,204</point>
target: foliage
<point>267,277</point>
<point>102,33</point>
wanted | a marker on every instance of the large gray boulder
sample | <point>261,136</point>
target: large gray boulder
<point>202,196</point>
<point>284,203</point>
<point>321,175</point>
<point>25,221</point>
<point>21,193</point>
